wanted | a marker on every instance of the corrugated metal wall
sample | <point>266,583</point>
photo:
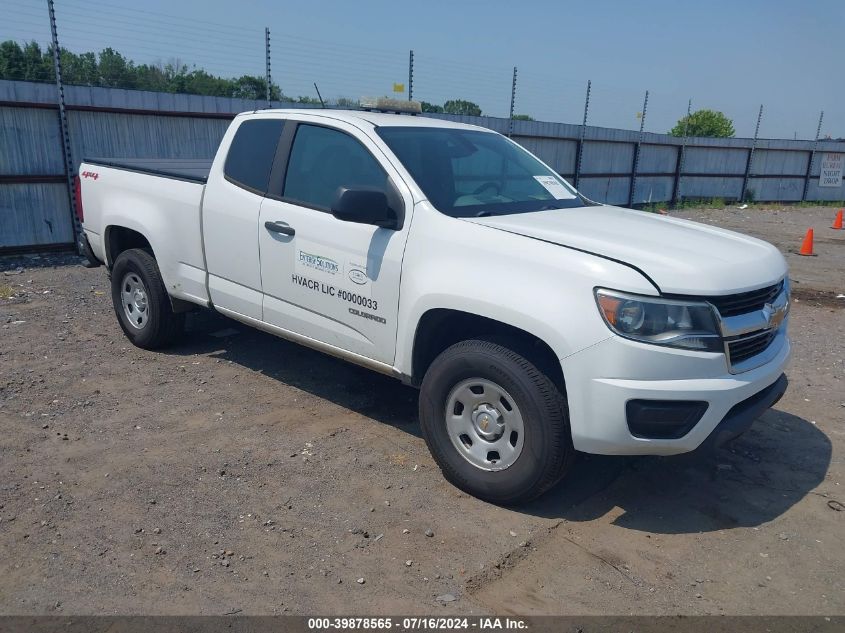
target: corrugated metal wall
<point>107,122</point>
<point>34,205</point>
<point>109,135</point>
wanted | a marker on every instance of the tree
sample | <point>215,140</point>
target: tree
<point>158,77</point>
<point>115,71</point>
<point>12,62</point>
<point>38,66</point>
<point>523,117</point>
<point>431,107</point>
<point>79,70</point>
<point>704,123</point>
<point>459,106</point>
<point>110,68</point>
<point>346,102</point>
<point>308,100</point>
<point>249,87</point>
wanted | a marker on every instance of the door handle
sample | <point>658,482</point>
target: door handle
<point>279,227</point>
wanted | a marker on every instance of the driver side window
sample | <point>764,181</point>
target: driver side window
<point>322,160</point>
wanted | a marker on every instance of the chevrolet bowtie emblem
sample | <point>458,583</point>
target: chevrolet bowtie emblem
<point>775,314</point>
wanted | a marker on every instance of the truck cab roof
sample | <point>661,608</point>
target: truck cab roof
<point>374,119</point>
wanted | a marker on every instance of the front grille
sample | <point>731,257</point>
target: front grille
<point>731,305</point>
<point>744,348</point>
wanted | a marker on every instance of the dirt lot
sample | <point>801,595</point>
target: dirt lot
<point>241,473</point>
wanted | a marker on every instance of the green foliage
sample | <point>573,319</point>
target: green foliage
<point>523,117</point>
<point>460,106</point>
<point>686,203</point>
<point>308,100</point>
<point>82,68</point>
<point>720,203</point>
<point>431,107</point>
<point>111,69</point>
<point>704,123</point>
<point>28,63</point>
<point>115,71</point>
<point>346,102</point>
<point>836,204</point>
<point>453,106</point>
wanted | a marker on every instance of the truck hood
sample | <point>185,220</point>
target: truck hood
<point>679,256</point>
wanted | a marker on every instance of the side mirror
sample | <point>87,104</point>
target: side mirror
<point>367,206</point>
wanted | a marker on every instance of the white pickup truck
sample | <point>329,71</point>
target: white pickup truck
<point>535,322</point>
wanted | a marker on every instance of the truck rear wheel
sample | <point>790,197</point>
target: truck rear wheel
<point>141,302</point>
<point>496,425</point>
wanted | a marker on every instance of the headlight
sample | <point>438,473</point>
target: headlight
<point>660,321</point>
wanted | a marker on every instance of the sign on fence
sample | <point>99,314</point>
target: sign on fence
<point>831,169</point>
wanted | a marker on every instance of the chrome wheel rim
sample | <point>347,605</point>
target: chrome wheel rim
<point>133,295</point>
<point>484,424</point>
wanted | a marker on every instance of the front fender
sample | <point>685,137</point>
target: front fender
<point>541,288</point>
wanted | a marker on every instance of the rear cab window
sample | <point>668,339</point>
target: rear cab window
<point>251,154</point>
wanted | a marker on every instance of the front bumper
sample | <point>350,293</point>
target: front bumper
<point>601,380</point>
<point>741,416</point>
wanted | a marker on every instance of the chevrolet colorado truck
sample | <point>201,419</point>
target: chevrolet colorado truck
<point>536,323</point>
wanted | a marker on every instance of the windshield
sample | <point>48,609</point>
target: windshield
<point>470,173</point>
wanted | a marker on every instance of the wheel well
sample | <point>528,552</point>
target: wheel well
<point>441,328</point>
<point>119,239</point>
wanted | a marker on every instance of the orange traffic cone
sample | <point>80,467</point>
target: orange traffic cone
<point>837,223</point>
<point>807,244</point>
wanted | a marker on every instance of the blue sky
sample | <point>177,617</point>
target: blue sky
<point>730,56</point>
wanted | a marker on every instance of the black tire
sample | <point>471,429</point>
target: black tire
<point>547,450</point>
<point>157,325</point>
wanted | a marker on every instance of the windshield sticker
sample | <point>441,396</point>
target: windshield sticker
<point>554,187</point>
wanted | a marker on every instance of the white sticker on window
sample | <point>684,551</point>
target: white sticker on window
<point>554,187</point>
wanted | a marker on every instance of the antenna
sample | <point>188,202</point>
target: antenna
<point>319,96</point>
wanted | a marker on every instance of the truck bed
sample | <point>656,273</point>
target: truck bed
<point>190,169</point>
<point>143,194</point>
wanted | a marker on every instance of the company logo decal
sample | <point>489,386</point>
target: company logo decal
<point>318,262</point>
<point>357,276</point>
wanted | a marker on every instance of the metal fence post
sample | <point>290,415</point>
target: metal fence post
<point>268,77</point>
<point>513,99</point>
<point>636,163</point>
<point>751,156</point>
<point>812,158</point>
<point>411,76</point>
<point>63,126</point>
<point>682,152</point>
<point>580,148</point>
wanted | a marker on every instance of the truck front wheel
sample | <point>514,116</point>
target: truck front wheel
<point>141,302</point>
<point>496,425</point>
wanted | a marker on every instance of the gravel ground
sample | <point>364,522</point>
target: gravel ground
<point>239,473</point>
